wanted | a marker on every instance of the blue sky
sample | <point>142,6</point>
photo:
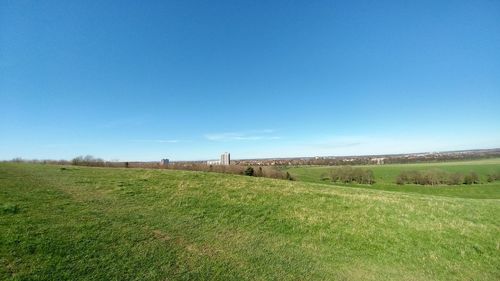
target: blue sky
<point>143,80</point>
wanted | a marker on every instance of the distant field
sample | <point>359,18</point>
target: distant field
<point>68,223</point>
<point>385,176</point>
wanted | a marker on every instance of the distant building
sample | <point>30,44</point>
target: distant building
<point>378,161</point>
<point>225,159</point>
<point>164,162</point>
<point>213,162</point>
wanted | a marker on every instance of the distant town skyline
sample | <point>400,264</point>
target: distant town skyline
<point>189,80</point>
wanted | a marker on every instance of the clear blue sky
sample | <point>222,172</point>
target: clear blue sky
<point>143,80</point>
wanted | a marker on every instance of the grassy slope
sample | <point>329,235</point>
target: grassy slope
<point>119,224</point>
<point>385,176</point>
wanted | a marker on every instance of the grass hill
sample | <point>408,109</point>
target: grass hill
<point>69,223</point>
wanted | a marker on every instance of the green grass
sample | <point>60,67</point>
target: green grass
<point>385,177</point>
<point>132,224</point>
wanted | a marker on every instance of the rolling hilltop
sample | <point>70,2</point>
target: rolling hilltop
<point>62,222</point>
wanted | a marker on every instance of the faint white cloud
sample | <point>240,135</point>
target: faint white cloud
<point>251,135</point>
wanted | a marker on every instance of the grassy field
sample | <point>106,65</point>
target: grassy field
<point>129,224</point>
<point>385,177</point>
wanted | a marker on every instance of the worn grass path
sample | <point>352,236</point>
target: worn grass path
<point>131,224</point>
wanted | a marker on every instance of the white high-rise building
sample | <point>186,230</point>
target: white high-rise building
<point>225,159</point>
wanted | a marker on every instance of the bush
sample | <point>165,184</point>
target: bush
<point>471,178</point>
<point>436,177</point>
<point>349,174</point>
<point>456,179</point>
<point>400,180</point>
<point>493,177</point>
<point>259,172</point>
<point>249,171</point>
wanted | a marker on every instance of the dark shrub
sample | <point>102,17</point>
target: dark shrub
<point>493,177</point>
<point>490,178</point>
<point>349,174</point>
<point>471,178</point>
<point>249,171</point>
<point>456,179</point>
<point>400,180</point>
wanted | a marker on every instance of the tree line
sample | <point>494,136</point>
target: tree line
<point>265,171</point>
<point>268,172</point>
<point>436,177</point>
<point>348,174</point>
